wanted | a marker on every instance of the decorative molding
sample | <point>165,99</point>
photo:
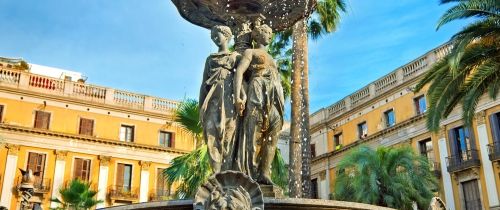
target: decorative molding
<point>61,154</point>
<point>104,160</point>
<point>13,149</point>
<point>442,132</point>
<point>145,165</point>
<point>480,118</point>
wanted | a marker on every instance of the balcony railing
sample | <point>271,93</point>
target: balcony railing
<point>464,160</point>
<point>123,193</point>
<point>40,185</point>
<point>14,78</point>
<point>435,168</point>
<point>494,151</point>
<point>159,195</point>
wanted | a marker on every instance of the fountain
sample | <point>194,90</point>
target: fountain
<point>242,106</point>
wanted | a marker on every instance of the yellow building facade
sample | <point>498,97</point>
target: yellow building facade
<point>388,113</point>
<point>64,129</point>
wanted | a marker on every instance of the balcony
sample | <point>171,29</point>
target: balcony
<point>435,168</point>
<point>22,80</point>
<point>464,160</point>
<point>159,195</point>
<point>123,193</point>
<point>494,151</point>
<point>41,186</point>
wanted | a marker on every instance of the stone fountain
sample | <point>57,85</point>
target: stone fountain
<point>242,106</point>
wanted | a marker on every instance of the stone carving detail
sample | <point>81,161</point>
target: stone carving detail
<point>61,154</point>
<point>12,149</point>
<point>104,160</point>
<point>145,165</point>
<point>480,118</point>
<point>229,190</point>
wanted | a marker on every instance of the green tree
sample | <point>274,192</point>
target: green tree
<point>471,69</point>
<point>76,195</point>
<point>193,169</point>
<point>324,20</point>
<point>392,177</point>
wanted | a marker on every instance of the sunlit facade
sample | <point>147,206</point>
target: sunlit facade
<point>388,112</point>
<point>66,129</point>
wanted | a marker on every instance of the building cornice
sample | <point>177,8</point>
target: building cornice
<point>39,132</point>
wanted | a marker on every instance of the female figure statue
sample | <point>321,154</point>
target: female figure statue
<point>217,113</point>
<point>262,108</point>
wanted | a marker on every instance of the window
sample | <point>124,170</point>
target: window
<point>81,169</point>
<point>127,133</point>
<point>390,119</point>
<point>314,188</point>
<point>42,120</point>
<point>162,187</point>
<point>124,176</point>
<point>86,127</point>
<point>471,195</point>
<point>313,150</point>
<point>362,130</point>
<point>166,139</point>
<point>495,127</point>
<point>427,151</point>
<point>1,113</point>
<point>36,163</point>
<point>337,140</point>
<point>462,140</point>
<point>420,104</point>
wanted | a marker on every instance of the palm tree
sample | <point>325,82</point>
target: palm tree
<point>76,195</point>
<point>472,67</point>
<point>324,20</point>
<point>392,177</point>
<point>193,169</point>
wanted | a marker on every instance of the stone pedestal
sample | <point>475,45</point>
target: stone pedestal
<point>270,191</point>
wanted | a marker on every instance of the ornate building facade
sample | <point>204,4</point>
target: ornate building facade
<point>116,140</point>
<point>388,112</point>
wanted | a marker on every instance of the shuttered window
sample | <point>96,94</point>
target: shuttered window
<point>162,187</point>
<point>495,126</point>
<point>314,188</point>
<point>81,169</point>
<point>124,176</point>
<point>127,133</point>
<point>42,119</point>
<point>362,130</point>
<point>1,113</point>
<point>86,127</point>
<point>313,150</point>
<point>36,163</point>
<point>166,139</point>
<point>472,198</point>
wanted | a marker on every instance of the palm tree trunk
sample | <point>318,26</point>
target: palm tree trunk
<point>299,39</point>
<point>305,137</point>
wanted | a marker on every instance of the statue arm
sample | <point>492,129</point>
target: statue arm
<point>238,80</point>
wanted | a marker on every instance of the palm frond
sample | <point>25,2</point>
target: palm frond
<point>188,116</point>
<point>470,8</point>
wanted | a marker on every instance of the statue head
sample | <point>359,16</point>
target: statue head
<point>221,34</point>
<point>262,34</point>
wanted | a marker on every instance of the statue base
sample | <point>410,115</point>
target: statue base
<point>271,191</point>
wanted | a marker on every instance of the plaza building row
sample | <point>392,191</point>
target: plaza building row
<point>388,112</point>
<point>66,129</point>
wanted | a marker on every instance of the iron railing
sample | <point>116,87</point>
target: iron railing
<point>463,160</point>
<point>116,192</point>
<point>494,151</point>
<point>40,185</point>
<point>159,194</point>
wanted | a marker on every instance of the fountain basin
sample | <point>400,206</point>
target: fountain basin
<point>269,204</point>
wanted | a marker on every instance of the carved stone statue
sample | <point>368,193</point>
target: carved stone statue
<point>217,113</point>
<point>229,190</point>
<point>27,187</point>
<point>261,107</point>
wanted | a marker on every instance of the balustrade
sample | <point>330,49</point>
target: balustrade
<point>9,77</point>
<point>385,82</point>
<point>360,96</point>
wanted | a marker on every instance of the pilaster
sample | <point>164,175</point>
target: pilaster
<point>9,175</point>
<point>103,179</point>
<point>144,188</point>
<point>447,184</point>
<point>59,172</point>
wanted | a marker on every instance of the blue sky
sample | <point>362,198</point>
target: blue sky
<point>146,47</point>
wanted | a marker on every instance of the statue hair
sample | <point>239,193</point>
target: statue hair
<point>226,31</point>
<point>262,29</point>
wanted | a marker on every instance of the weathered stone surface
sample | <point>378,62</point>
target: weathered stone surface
<point>229,190</point>
<point>269,204</point>
<point>278,14</point>
<point>271,191</point>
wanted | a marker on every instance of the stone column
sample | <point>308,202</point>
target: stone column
<point>489,175</point>
<point>447,186</point>
<point>9,175</point>
<point>58,174</point>
<point>103,180</point>
<point>144,188</point>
